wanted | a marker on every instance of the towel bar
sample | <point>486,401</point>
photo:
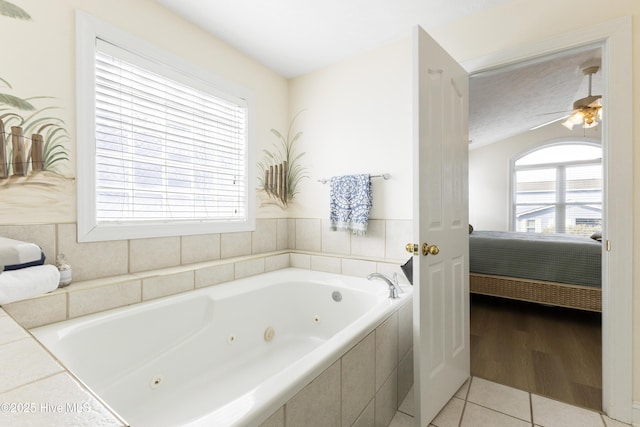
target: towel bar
<point>383,176</point>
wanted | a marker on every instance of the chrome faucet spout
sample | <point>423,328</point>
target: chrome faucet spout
<point>394,288</point>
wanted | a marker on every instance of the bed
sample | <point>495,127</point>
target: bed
<point>556,269</point>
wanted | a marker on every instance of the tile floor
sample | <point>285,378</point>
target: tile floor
<point>481,403</point>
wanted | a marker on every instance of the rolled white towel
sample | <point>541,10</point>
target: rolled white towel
<point>16,252</point>
<point>28,282</point>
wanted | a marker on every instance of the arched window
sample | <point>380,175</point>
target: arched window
<point>558,189</point>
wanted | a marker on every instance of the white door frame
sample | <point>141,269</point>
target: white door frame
<point>615,38</point>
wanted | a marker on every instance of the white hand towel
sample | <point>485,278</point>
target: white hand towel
<point>16,252</point>
<point>28,282</point>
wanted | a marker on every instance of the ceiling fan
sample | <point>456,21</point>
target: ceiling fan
<point>586,111</point>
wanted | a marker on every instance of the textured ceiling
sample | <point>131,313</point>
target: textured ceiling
<point>511,100</point>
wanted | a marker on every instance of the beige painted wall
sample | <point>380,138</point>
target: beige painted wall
<point>357,119</point>
<point>490,172</point>
<point>39,60</point>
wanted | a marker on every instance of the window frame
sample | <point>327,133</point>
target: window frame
<point>88,29</point>
<point>551,165</point>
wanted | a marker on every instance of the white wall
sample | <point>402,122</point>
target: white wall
<point>357,119</point>
<point>490,172</point>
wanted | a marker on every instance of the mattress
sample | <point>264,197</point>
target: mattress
<point>559,258</point>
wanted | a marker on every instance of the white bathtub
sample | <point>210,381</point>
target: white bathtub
<point>207,358</point>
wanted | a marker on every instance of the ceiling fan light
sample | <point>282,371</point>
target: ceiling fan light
<point>577,117</point>
<point>568,124</point>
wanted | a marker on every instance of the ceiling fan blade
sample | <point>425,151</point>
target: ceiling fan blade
<point>554,112</point>
<point>549,122</point>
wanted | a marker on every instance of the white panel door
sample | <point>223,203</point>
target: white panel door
<point>441,281</point>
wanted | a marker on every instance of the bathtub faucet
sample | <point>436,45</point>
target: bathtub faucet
<point>394,288</point>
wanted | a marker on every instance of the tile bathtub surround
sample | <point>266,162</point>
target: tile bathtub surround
<point>42,235</point>
<point>91,296</point>
<point>30,375</point>
<point>346,394</point>
<point>95,260</point>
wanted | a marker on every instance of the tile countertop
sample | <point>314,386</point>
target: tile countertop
<point>36,390</point>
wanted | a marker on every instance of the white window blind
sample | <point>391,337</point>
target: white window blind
<point>166,150</point>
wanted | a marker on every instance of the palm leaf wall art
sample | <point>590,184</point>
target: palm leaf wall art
<point>31,128</point>
<point>12,11</point>
<point>280,171</point>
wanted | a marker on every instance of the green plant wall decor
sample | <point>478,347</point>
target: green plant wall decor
<point>280,171</point>
<point>20,115</point>
<point>13,11</point>
<point>34,152</point>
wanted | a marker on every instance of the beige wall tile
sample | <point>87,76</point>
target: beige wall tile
<point>208,276</point>
<point>276,262</point>
<point>358,268</point>
<point>308,235</point>
<point>275,420</point>
<point>248,268</point>
<point>335,242</point>
<point>170,284</point>
<point>386,401</point>
<point>358,378</point>
<point>325,263</point>
<point>265,236</point>
<point>291,233</point>
<point>367,417</point>
<point>405,376</point>
<point>389,269</point>
<point>386,349</point>
<point>408,403</point>
<point>318,404</point>
<point>42,235</point>
<point>405,329</point>
<point>24,361</point>
<point>152,254</point>
<point>300,261</point>
<point>282,237</point>
<point>200,248</point>
<point>235,244</point>
<point>39,311</point>
<point>399,233</point>
<point>92,260</point>
<point>93,300</point>
<point>373,243</point>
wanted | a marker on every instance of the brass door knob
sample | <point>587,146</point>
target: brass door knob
<point>412,248</point>
<point>430,249</point>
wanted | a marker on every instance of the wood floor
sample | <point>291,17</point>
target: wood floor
<point>549,351</point>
